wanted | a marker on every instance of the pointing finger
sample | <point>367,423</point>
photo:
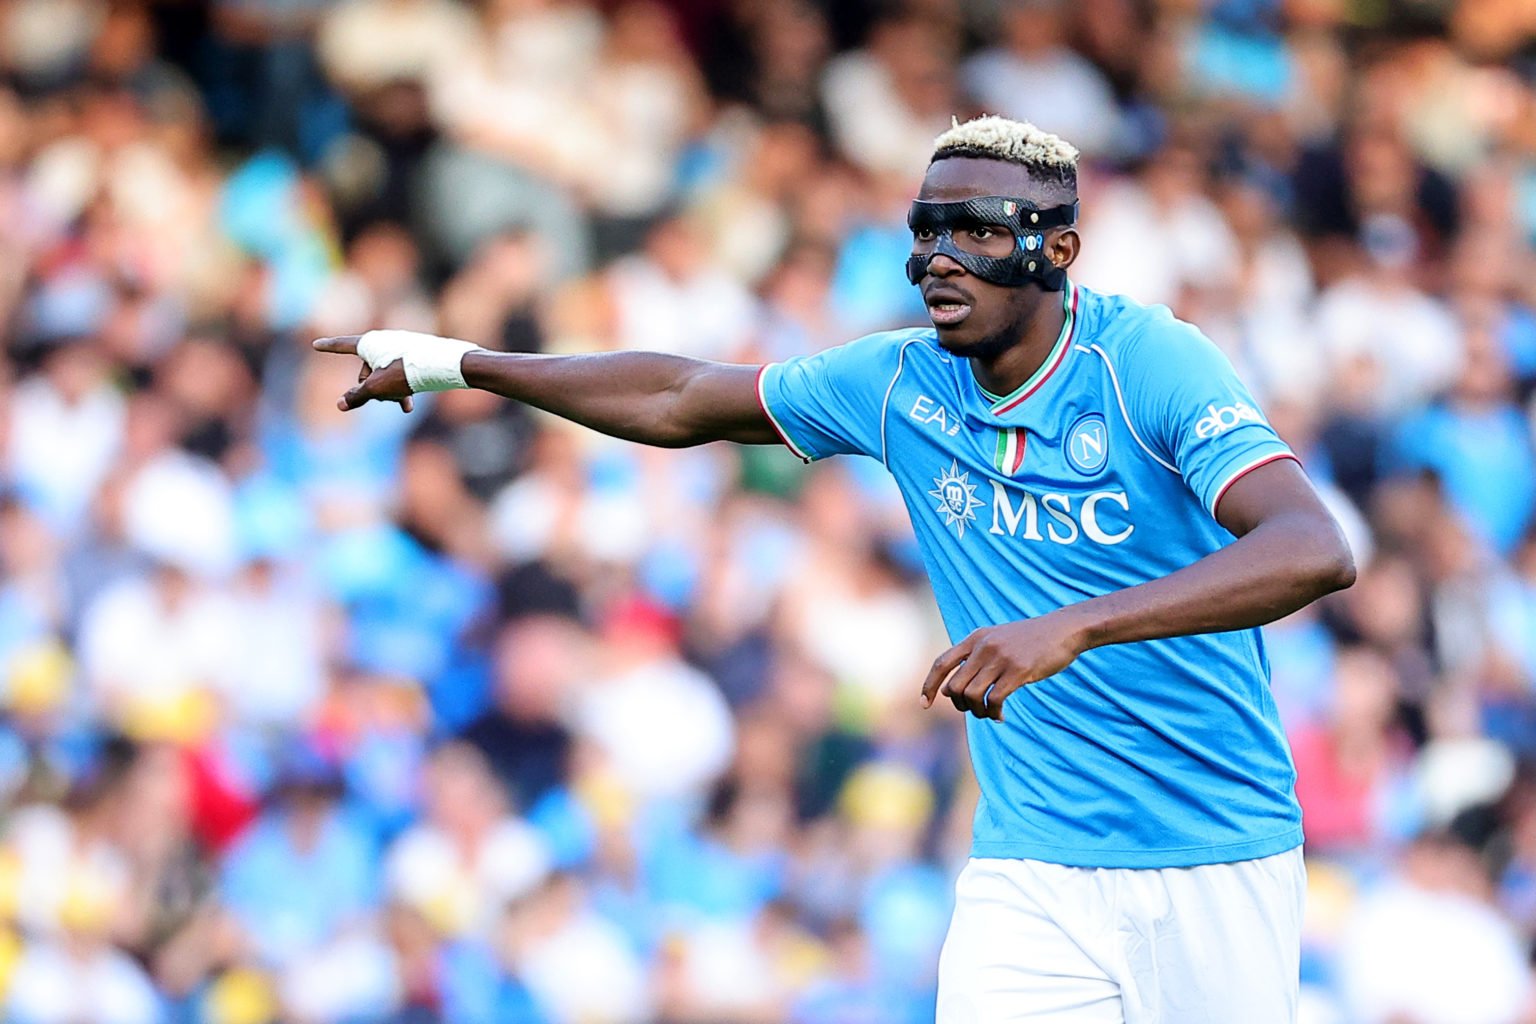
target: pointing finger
<point>342,344</point>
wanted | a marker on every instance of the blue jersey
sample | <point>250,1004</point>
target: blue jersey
<point>1102,471</point>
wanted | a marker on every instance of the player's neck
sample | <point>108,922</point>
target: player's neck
<point>1006,371</point>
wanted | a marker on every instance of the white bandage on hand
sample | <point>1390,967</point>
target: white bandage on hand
<point>431,363</point>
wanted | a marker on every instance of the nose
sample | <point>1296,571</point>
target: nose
<point>944,265</point>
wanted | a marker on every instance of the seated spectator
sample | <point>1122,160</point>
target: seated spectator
<point>886,101</point>
<point>81,977</point>
<point>66,427</point>
<point>523,736</point>
<point>557,944</point>
<point>304,871</point>
<point>1167,200</point>
<point>1352,772</point>
<point>1034,76</point>
<point>468,857</point>
<point>1479,445</point>
<point>155,652</point>
<point>1426,943</point>
<point>1406,340</point>
<point>662,725</point>
<point>365,44</point>
<point>670,297</point>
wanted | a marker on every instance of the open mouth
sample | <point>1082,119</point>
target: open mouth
<point>948,314</point>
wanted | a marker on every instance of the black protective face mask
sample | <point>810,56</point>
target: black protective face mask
<point>1027,222</point>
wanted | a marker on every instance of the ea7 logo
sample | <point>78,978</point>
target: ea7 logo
<point>926,410</point>
<point>1220,420</point>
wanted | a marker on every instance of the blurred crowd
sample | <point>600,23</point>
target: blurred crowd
<point>474,716</point>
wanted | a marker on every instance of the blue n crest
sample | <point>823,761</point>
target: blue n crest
<point>1088,444</point>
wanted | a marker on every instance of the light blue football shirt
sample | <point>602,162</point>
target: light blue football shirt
<point>1101,472</point>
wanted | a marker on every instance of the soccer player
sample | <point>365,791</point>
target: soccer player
<point>1106,519</point>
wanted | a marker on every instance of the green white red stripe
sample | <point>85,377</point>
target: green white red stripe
<point>1053,361</point>
<point>1009,458</point>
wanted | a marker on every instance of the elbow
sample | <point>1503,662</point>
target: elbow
<point>1316,557</point>
<point>1338,572</point>
<point>1333,567</point>
<point>659,424</point>
<point>670,431</point>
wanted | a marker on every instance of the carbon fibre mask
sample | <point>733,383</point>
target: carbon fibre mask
<point>1028,223</point>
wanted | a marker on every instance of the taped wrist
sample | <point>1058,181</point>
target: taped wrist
<point>431,363</point>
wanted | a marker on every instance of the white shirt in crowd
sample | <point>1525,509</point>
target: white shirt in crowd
<point>367,43</point>
<point>61,451</point>
<point>52,984</point>
<point>869,122</point>
<point>706,314</point>
<point>1059,90</point>
<point>560,969</point>
<point>1129,249</point>
<point>1411,340</point>
<point>426,869</point>
<point>1431,957</point>
<point>141,652</point>
<point>664,727</point>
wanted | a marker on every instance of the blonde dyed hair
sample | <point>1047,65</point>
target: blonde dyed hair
<point>1046,156</point>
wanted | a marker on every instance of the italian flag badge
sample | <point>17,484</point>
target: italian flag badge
<point>1009,458</point>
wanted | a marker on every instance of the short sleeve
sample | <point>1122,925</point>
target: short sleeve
<point>1199,419</point>
<point>832,403</point>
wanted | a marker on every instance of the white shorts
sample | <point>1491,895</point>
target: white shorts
<point>1036,942</point>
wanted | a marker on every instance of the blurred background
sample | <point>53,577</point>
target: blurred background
<point>472,716</point>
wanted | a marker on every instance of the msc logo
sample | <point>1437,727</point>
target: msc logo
<point>957,498</point>
<point>1220,420</point>
<point>1065,524</point>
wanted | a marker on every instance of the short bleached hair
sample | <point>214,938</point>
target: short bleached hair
<point>1047,157</point>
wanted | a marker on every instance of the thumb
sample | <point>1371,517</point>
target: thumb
<point>358,396</point>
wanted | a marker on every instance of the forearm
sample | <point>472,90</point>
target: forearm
<point>648,397</point>
<point>1277,568</point>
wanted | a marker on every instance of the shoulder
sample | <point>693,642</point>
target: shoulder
<point>1140,339</point>
<point>895,341</point>
<point>880,353</point>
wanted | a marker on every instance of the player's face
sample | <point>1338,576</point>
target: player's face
<point>975,318</point>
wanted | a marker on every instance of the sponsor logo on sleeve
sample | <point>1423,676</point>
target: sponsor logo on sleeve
<point>1220,419</point>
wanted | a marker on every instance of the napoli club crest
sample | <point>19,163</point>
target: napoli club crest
<point>1088,444</point>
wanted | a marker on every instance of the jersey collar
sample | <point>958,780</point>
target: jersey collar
<point>1053,361</point>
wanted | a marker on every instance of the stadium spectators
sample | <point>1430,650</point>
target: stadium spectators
<point>473,716</point>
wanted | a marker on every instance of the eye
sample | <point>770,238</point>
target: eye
<point>981,233</point>
<point>923,234</point>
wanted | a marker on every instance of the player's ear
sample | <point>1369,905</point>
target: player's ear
<point>1063,249</point>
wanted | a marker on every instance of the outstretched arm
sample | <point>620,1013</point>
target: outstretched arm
<point>665,400</point>
<point>1289,553</point>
